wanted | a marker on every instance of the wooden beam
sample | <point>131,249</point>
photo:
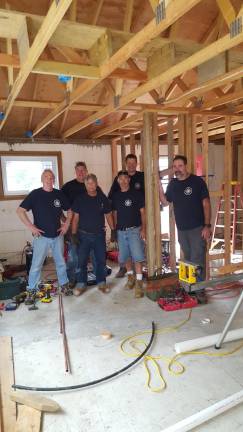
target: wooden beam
<point>114,161</point>
<point>98,8</point>
<point>32,108</point>
<point>198,58</point>
<point>231,97</point>
<point>73,10</point>
<point>205,147</point>
<point>132,144</point>
<point>10,52</point>
<point>118,125</point>
<point>174,11</point>
<point>172,232</point>
<point>29,420</point>
<point>53,18</point>
<point>227,10</point>
<point>123,152</point>
<point>227,190</point>
<point>156,201</point>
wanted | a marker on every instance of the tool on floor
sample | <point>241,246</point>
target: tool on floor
<point>47,297</point>
<point>11,306</point>
<point>63,332</point>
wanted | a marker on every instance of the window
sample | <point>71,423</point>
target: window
<point>21,172</point>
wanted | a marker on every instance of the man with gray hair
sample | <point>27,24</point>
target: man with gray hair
<point>88,227</point>
<point>46,204</point>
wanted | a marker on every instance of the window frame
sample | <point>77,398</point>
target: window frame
<point>57,154</point>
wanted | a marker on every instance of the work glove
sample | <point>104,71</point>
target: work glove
<point>75,239</point>
<point>113,236</point>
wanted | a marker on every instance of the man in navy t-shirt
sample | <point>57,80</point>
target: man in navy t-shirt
<point>46,204</point>
<point>136,184</point>
<point>129,217</point>
<point>190,197</point>
<point>90,210</point>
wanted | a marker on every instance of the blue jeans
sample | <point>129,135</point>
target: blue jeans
<point>95,242</point>
<point>73,269</point>
<point>41,246</point>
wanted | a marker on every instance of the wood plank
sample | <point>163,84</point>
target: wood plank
<point>205,147</point>
<point>123,152</point>
<point>97,11</point>
<point>227,190</point>
<point>230,268</point>
<point>173,12</point>
<point>29,420</point>
<point>227,10</point>
<point>171,148</point>
<point>36,401</point>
<point>119,125</point>
<point>156,201</point>
<point>50,23</point>
<point>8,407</point>
<point>114,160</point>
<point>132,144</point>
<point>181,134</point>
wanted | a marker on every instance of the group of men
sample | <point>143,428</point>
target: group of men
<point>83,226</point>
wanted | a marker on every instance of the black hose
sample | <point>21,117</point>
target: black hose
<point>91,383</point>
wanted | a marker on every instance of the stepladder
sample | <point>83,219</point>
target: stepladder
<point>236,220</point>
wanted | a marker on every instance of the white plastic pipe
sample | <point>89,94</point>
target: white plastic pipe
<point>206,341</point>
<point>206,414</point>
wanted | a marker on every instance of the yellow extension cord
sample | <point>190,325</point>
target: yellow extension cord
<point>173,365</point>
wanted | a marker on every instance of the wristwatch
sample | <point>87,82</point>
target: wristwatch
<point>207,225</point>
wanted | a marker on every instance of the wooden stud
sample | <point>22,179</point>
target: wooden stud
<point>149,197</point>
<point>98,8</point>
<point>156,201</point>
<point>181,134</point>
<point>132,144</point>
<point>114,158</point>
<point>205,146</point>
<point>123,152</point>
<point>227,190</point>
<point>36,401</point>
<point>73,11</point>
<point>8,407</point>
<point>227,10</point>
<point>171,211</point>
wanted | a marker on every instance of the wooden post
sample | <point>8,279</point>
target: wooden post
<point>156,204</point>
<point>205,146</point>
<point>149,196</point>
<point>181,134</point>
<point>123,153</point>
<point>227,189</point>
<point>114,158</point>
<point>170,141</point>
<point>132,144</point>
<point>8,407</point>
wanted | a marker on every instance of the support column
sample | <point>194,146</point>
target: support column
<point>170,141</point>
<point>123,153</point>
<point>227,189</point>
<point>150,151</point>
<point>114,161</point>
<point>181,134</point>
<point>132,144</point>
<point>205,146</point>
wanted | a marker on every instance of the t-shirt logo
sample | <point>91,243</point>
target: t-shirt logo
<point>128,203</point>
<point>188,190</point>
<point>57,203</point>
<point>137,186</point>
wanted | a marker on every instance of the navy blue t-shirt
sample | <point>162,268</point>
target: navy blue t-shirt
<point>91,210</point>
<point>47,209</point>
<point>187,196</point>
<point>136,183</point>
<point>128,205</point>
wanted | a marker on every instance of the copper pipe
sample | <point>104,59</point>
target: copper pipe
<point>64,336</point>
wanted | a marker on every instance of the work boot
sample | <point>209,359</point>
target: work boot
<point>72,284</point>
<point>130,281</point>
<point>139,292</point>
<point>104,288</point>
<point>66,290</point>
<point>121,272</point>
<point>30,297</point>
<point>79,291</point>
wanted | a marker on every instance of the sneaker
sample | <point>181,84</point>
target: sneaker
<point>130,281</point>
<point>139,292</point>
<point>30,297</point>
<point>121,272</point>
<point>79,291</point>
<point>66,290</point>
<point>104,288</point>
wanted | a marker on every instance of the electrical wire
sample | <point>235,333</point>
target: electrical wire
<point>98,381</point>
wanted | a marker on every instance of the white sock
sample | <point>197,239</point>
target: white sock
<point>130,272</point>
<point>139,276</point>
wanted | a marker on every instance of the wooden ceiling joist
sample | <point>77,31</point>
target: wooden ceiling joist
<point>191,62</point>
<point>174,11</point>
<point>49,25</point>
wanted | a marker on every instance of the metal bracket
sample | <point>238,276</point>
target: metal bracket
<point>116,101</point>
<point>236,27</point>
<point>160,12</point>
